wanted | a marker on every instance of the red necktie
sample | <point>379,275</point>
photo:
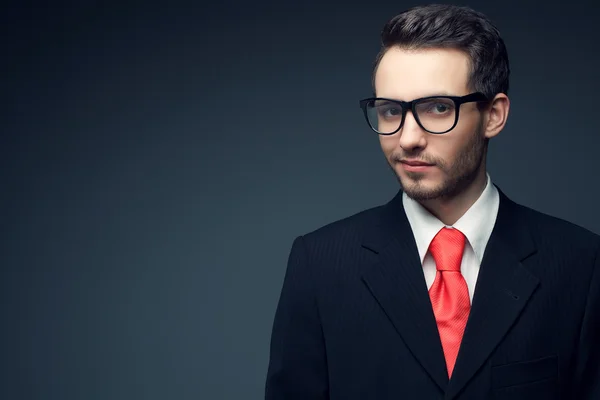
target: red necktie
<point>449,293</point>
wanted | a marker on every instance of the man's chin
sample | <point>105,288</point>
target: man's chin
<point>414,179</point>
<point>422,195</point>
<point>419,189</point>
<point>417,185</point>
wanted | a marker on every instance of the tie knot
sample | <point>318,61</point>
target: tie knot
<point>447,249</point>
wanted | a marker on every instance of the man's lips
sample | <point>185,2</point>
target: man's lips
<point>414,163</point>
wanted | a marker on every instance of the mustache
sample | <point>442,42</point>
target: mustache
<point>399,157</point>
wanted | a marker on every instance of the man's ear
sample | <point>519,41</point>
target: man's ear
<point>497,114</point>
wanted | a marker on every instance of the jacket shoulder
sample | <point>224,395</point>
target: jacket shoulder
<point>346,228</point>
<point>551,228</point>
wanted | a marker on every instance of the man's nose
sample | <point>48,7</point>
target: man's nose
<point>411,135</point>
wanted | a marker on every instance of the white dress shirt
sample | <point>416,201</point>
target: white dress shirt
<point>476,224</point>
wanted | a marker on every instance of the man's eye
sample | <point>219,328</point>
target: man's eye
<point>391,112</point>
<point>440,108</point>
<point>436,107</point>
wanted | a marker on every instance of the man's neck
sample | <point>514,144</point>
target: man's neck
<point>449,210</point>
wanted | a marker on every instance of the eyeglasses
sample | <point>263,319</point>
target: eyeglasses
<point>435,114</point>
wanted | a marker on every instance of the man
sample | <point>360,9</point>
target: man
<point>450,290</point>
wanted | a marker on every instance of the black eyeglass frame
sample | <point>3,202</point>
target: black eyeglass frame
<point>412,105</point>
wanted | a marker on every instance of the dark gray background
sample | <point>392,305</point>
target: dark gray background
<point>158,160</point>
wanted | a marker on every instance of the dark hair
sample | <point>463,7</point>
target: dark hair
<point>451,26</point>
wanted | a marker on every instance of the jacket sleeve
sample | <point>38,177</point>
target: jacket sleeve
<point>297,363</point>
<point>587,379</point>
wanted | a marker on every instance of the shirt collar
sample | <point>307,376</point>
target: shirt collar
<point>476,224</point>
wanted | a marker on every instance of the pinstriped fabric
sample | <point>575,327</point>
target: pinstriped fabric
<point>449,293</point>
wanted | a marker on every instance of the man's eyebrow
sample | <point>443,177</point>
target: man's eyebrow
<point>432,94</point>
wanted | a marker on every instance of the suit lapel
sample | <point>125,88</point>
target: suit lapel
<point>396,280</point>
<point>504,286</point>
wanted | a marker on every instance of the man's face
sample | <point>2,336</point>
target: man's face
<point>454,158</point>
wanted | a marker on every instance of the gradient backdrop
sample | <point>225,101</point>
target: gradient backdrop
<point>157,160</point>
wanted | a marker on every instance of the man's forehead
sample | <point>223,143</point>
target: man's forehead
<point>407,74</point>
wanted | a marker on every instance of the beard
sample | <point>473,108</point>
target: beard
<point>459,175</point>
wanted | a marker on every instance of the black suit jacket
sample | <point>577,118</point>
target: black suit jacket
<point>354,319</point>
